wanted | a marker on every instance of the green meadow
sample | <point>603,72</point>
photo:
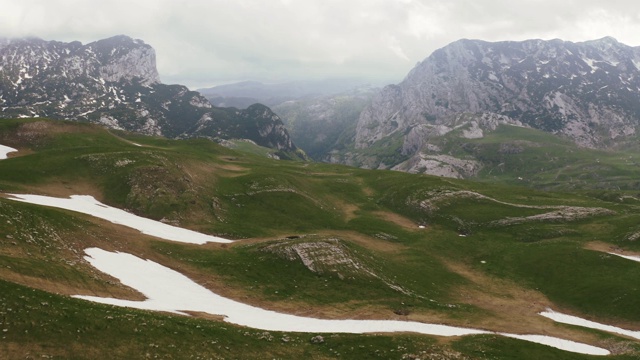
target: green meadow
<point>487,254</point>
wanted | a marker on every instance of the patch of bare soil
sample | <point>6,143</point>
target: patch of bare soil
<point>64,189</point>
<point>109,288</point>
<point>365,241</point>
<point>513,308</point>
<point>234,168</point>
<point>348,210</point>
<point>397,219</point>
<point>607,248</point>
<point>204,315</point>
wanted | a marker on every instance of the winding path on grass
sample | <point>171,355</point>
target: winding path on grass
<point>171,291</point>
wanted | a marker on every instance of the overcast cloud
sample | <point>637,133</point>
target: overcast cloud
<point>201,43</point>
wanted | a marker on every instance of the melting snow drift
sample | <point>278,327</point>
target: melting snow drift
<point>628,257</point>
<point>574,320</point>
<point>168,290</point>
<point>88,205</point>
<point>4,150</point>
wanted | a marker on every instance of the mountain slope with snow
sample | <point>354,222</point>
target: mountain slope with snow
<point>587,92</point>
<point>114,82</point>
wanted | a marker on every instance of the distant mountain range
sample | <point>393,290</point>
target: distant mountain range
<point>586,92</point>
<point>115,82</point>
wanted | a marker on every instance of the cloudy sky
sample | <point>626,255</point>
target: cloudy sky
<point>202,43</point>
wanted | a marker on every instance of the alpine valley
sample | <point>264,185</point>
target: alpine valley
<point>137,220</point>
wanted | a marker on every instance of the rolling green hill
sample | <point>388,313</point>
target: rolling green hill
<point>384,245</point>
<point>522,156</point>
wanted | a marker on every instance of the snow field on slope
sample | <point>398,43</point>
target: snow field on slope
<point>88,205</point>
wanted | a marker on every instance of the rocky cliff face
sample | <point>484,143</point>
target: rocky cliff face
<point>27,61</point>
<point>115,82</point>
<point>257,123</point>
<point>588,92</point>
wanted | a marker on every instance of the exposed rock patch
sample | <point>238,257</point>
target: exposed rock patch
<point>440,165</point>
<point>569,213</point>
<point>328,256</point>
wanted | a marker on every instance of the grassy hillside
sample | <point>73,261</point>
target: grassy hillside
<point>529,157</point>
<point>386,245</point>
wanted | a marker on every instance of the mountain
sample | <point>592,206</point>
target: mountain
<point>114,82</point>
<point>586,92</point>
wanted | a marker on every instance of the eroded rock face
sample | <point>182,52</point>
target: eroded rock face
<point>588,92</point>
<point>256,123</point>
<point>440,165</point>
<point>27,62</point>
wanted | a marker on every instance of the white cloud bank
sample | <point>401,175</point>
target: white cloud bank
<point>200,43</point>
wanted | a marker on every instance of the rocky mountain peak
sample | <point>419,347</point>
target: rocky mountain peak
<point>109,60</point>
<point>123,58</point>
<point>556,86</point>
<point>114,82</point>
<point>588,92</point>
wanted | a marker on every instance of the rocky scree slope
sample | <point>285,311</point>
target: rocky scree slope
<point>114,82</point>
<point>588,92</point>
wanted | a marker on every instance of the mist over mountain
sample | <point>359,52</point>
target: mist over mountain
<point>321,124</point>
<point>246,93</point>
<point>114,82</point>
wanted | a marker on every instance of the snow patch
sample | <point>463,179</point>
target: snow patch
<point>562,344</point>
<point>574,320</point>
<point>168,290</point>
<point>171,291</point>
<point>88,205</point>
<point>591,64</point>
<point>628,257</point>
<point>4,150</point>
